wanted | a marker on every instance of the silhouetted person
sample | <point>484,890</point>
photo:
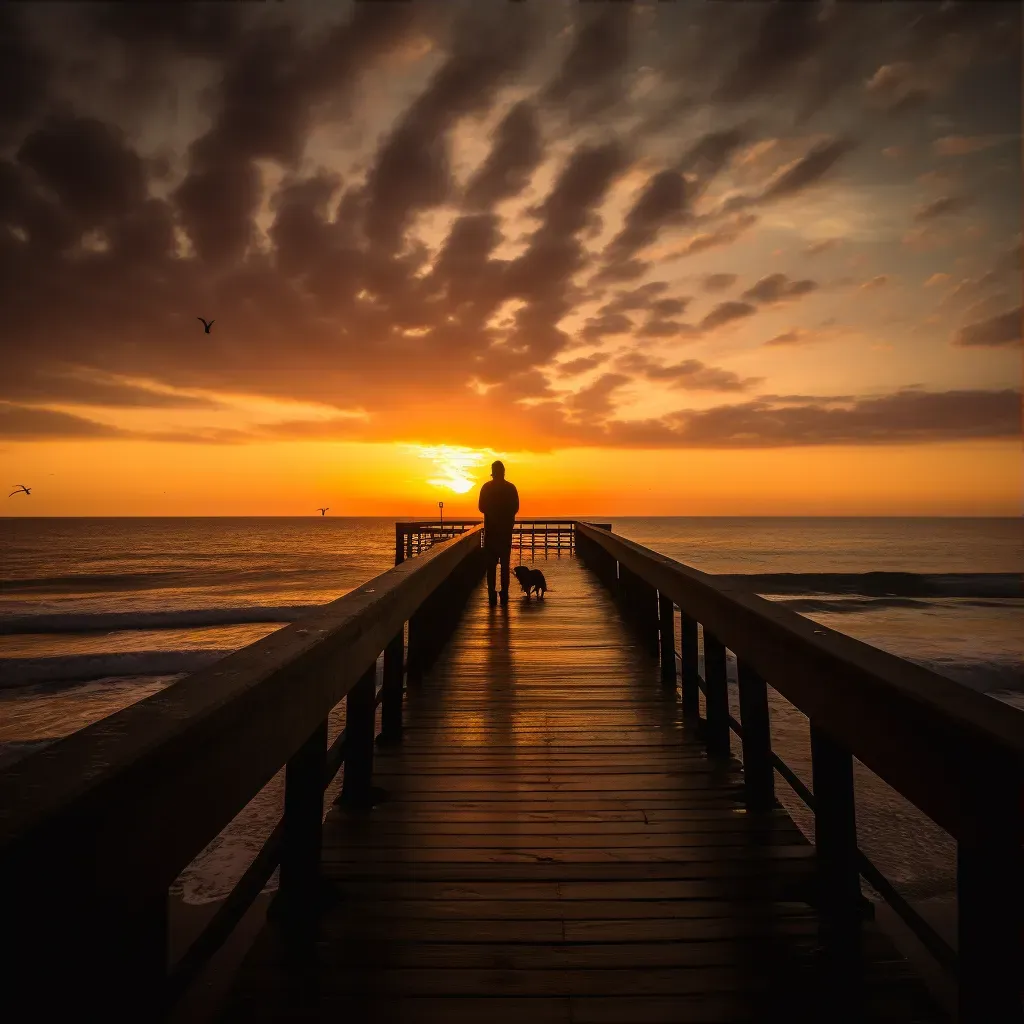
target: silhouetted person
<point>499,502</point>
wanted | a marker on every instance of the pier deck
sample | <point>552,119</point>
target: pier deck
<point>555,846</point>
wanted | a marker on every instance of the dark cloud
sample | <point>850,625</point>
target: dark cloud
<point>658,328</point>
<point>662,203</point>
<point>515,155</point>
<point>86,389</point>
<point>411,172</point>
<point>724,234</point>
<point>608,324</point>
<point>596,399</point>
<point>718,282</point>
<point>24,423</point>
<point>25,71</point>
<point>689,375</point>
<point>788,34</point>
<point>542,274</point>
<point>711,152</point>
<point>940,208</point>
<point>87,164</point>
<point>999,331</point>
<point>904,417</point>
<point>778,288</point>
<point>582,364</point>
<point>726,312</point>
<point>808,170</point>
<point>795,336</point>
<point>589,79</point>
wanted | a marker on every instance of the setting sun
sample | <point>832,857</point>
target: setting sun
<point>458,468</point>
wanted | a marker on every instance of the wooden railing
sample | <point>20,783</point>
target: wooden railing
<point>528,535</point>
<point>956,754</point>
<point>97,826</point>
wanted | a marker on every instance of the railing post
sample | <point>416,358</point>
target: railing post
<point>990,897</point>
<point>667,631</point>
<point>360,711</point>
<point>392,690</point>
<point>838,873</point>
<point>399,544</point>
<point>758,769</point>
<point>300,886</point>
<point>716,694</point>
<point>690,667</point>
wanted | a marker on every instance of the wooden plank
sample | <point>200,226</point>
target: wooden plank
<point>554,843</point>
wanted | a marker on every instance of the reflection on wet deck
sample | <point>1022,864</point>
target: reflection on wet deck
<point>555,847</point>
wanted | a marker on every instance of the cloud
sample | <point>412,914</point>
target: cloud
<point>821,245</point>
<point>878,281</point>
<point>718,282</point>
<point>340,262</point>
<point>908,416</point>
<point>582,364</point>
<point>778,288</point>
<point>726,312</point>
<point>589,77</point>
<point>607,324</point>
<point>661,203</point>
<point>795,336</point>
<point>411,171</point>
<point>87,164</point>
<point>24,423</point>
<point>86,389</point>
<point>999,331</point>
<point>940,207</point>
<point>963,145</point>
<point>937,279</point>
<point>724,234</point>
<point>810,169</point>
<point>787,35</point>
<point>515,155</point>
<point>688,375</point>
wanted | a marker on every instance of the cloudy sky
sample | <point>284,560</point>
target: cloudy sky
<point>677,258</point>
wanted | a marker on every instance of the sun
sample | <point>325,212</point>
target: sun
<point>454,467</point>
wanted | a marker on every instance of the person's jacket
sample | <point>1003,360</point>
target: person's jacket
<point>499,502</point>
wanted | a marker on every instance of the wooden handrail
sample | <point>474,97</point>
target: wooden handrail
<point>924,734</point>
<point>99,824</point>
<point>958,755</point>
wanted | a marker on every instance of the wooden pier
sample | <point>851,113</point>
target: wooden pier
<point>544,815</point>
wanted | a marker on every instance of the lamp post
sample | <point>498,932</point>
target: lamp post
<point>440,506</point>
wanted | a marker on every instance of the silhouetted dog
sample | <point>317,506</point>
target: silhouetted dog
<point>531,579</point>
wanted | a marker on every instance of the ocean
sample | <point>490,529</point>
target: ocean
<point>98,613</point>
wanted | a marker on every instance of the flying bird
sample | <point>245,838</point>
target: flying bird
<point>21,489</point>
<point>322,511</point>
<point>206,325</point>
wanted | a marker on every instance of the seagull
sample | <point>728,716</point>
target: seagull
<point>21,489</point>
<point>322,511</point>
<point>205,324</point>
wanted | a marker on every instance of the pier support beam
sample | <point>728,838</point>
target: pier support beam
<point>393,686</point>
<point>361,709</point>
<point>990,897</point>
<point>758,768</point>
<point>298,896</point>
<point>716,694</point>
<point>838,874</point>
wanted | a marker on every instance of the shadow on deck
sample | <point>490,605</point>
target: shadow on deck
<point>555,846</point>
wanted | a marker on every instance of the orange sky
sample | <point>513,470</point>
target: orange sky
<point>138,478</point>
<point>658,263</point>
